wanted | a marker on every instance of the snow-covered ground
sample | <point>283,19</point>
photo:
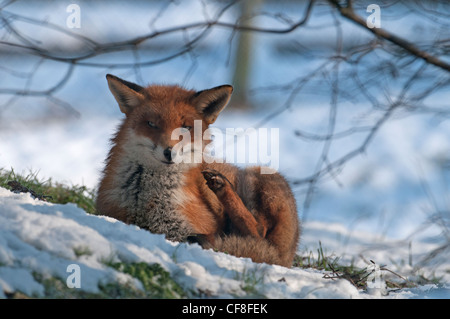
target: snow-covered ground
<point>38,237</point>
<point>400,233</point>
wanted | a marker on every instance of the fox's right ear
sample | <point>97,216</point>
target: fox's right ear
<point>127,94</point>
<point>211,102</point>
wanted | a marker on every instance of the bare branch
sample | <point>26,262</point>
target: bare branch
<point>348,13</point>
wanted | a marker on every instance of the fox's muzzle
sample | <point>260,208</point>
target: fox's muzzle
<point>168,154</point>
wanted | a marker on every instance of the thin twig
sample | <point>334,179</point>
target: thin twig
<point>349,14</point>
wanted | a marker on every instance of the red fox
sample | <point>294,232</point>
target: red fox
<point>218,205</point>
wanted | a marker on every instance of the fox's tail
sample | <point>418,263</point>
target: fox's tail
<point>259,250</point>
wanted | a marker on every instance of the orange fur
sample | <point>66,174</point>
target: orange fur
<point>238,211</point>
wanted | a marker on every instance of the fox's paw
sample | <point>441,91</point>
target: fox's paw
<point>214,179</point>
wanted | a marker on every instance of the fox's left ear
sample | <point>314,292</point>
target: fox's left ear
<point>211,102</point>
<point>127,94</point>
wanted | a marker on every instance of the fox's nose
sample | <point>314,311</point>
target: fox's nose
<point>168,154</point>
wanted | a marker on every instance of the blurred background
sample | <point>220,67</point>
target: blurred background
<point>363,113</point>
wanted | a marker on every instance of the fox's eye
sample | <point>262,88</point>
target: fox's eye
<point>151,124</point>
<point>187,127</point>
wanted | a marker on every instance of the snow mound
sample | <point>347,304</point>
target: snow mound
<point>37,237</point>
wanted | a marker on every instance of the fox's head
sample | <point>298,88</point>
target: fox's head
<point>156,117</point>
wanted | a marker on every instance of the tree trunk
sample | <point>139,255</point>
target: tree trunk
<point>243,57</point>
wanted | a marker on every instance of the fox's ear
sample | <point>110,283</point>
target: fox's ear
<point>211,102</point>
<point>127,94</point>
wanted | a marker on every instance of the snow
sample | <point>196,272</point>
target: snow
<point>40,237</point>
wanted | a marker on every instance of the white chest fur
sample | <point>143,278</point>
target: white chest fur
<point>153,197</point>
